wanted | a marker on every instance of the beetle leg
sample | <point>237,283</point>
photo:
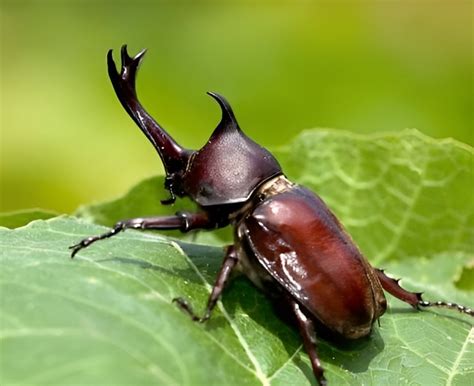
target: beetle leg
<point>414,298</point>
<point>230,260</point>
<point>307,331</point>
<point>183,221</point>
<point>391,285</point>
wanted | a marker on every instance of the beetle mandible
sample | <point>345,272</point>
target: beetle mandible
<point>287,241</point>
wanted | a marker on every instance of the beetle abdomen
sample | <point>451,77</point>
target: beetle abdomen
<point>300,243</point>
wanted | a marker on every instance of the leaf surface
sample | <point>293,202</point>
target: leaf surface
<point>399,195</point>
<point>107,318</point>
<point>18,218</point>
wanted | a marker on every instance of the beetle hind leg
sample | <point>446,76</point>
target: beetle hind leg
<point>308,333</point>
<point>454,306</point>
<point>414,298</point>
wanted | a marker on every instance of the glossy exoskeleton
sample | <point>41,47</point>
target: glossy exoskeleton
<point>287,241</point>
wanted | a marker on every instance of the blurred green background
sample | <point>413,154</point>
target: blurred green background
<point>285,66</point>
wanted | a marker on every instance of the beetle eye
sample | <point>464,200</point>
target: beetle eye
<point>206,190</point>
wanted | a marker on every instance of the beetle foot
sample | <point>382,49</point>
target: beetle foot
<point>454,306</point>
<point>84,243</point>
<point>77,247</point>
<point>187,308</point>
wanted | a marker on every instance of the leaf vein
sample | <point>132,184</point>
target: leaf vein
<point>452,371</point>
<point>258,370</point>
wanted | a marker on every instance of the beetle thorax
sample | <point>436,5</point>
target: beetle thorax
<point>228,170</point>
<point>230,166</point>
<point>276,185</point>
<point>271,187</point>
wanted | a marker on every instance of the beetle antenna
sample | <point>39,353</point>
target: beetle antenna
<point>449,305</point>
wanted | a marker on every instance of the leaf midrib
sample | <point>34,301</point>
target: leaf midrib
<point>452,373</point>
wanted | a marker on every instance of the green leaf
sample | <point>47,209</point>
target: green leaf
<point>399,195</point>
<point>20,218</point>
<point>141,200</point>
<point>466,279</point>
<point>107,316</point>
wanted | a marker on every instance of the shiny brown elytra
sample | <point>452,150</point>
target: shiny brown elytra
<point>287,241</point>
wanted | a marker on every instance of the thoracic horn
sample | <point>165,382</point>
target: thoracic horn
<point>228,121</point>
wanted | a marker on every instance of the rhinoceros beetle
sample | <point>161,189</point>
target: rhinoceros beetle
<point>287,241</point>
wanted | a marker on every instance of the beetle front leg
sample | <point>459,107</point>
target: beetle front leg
<point>414,298</point>
<point>308,333</point>
<point>230,260</point>
<point>183,221</point>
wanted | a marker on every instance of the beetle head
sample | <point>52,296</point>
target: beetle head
<point>225,171</point>
<point>230,165</point>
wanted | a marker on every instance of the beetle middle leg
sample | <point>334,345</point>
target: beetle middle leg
<point>414,298</point>
<point>230,260</point>
<point>183,221</point>
<point>308,333</point>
